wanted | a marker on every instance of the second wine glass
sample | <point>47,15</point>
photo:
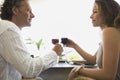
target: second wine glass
<point>55,41</point>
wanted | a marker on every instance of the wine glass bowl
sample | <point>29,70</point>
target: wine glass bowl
<point>55,41</point>
<point>64,41</point>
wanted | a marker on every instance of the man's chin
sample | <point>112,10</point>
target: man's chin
<point>29,25</point>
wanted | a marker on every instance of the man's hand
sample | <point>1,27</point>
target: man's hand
<point>58,49</point>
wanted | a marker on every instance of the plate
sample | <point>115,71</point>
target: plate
<point>90,66</point>
<point>84,63</point>
<point>62,60</point>
<point>79,62</point>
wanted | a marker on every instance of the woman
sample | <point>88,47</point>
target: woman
<point>106,15</point>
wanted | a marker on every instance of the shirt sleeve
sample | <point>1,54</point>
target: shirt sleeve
<point>15,53</point>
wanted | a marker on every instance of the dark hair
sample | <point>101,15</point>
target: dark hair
<point>117,20</point>
<point>110,10</point>
<point>6,8</point>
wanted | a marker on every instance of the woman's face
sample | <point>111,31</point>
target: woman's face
<point>96,17</point>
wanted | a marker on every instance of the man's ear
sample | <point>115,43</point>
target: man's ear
<point>15,10</point>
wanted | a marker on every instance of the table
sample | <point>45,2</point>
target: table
<point>58,72</point>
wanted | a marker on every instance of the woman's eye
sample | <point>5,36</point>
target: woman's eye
<point>94,11</point>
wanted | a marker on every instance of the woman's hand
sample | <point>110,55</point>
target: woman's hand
<point>70,43</point>
<point>73,73</point>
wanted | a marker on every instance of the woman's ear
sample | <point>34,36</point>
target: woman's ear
<point>15,10</point>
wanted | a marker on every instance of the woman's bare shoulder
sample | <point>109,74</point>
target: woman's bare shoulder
<point>111,31</point>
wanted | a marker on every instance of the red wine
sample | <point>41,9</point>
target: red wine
<point>64,40</point>
<point>54,41</point>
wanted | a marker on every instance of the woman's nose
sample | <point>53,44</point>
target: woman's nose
<point>91,16</point>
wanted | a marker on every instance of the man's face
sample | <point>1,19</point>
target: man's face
<point>24,15</point>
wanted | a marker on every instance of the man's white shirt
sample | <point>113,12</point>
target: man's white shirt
<point>15,60</point>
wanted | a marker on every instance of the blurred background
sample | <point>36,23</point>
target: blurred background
<point>61,18</point>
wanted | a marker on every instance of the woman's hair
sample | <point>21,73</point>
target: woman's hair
<point>117,21</point>
<point>110,10</point>
<point>6,8</point>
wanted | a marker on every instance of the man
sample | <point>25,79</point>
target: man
<point>15,60</point>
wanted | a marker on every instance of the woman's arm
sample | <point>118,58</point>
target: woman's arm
<point>88,57</point>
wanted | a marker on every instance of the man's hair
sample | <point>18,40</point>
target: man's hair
<point>110,10</point>
<point>6,8</point>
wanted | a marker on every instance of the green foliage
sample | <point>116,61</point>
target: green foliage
<point>39,44</point>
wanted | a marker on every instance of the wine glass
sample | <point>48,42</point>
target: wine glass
<point>66,51</point>
<point>55,41</point>
<point>64,41</point>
